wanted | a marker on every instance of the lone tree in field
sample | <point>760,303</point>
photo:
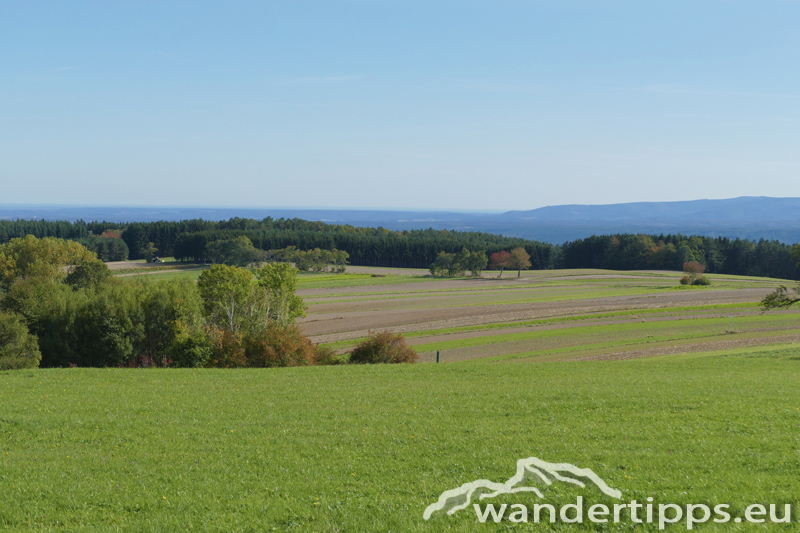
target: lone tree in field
<point>693,270</point>
<point>520,259</point>
<point>500,260</point>
<point>780,299</point>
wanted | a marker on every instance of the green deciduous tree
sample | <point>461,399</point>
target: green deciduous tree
<point>228,298</point>
<point>278,283</point>
<point>171,311</point>
<point>149,251</point>
<point>782,298</point>
<point>476,262</point>
<point>340,260</point>
<point>108,247</point>
<point>88,274</point>
<point>456,264</point>
<point>448,264</point>
<point>18,347</point>
<point>237,252</point>
<point>49,257</point>
<point>314,260</point>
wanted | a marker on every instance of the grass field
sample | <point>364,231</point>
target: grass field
<point>682,395</point>
<point>368,448</point>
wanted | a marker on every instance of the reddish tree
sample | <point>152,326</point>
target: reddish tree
<point>112,234</point>
<point>693,269</point>
<point>500,260</point>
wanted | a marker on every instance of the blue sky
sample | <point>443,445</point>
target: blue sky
<point>398,104</point>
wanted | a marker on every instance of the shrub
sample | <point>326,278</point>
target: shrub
<point>702,280</point>
<point>279,346</point>
<point>383,347</point>
<point>227,349</point>
<point>327,356</point>
<point>18,348</point>
<point>686,280</point>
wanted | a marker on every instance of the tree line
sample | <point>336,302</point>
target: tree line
<point>188,240</point>
<point>719,255</point>
<point>61,306</point>
<point>63,229</point>
<point>316,260</point>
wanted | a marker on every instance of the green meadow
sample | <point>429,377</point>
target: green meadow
<point>368,448</point>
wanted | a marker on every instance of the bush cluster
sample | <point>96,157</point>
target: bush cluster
<point>702,280</point>
<point>456,264</point>
<point>61,307</point>
<point>383,347</point>
<point>314,260</point>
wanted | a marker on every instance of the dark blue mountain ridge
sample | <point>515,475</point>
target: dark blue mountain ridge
<point>745,217</point>
<point>745,208</point>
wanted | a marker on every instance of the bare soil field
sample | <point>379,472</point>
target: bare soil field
<point>538,316</point>
<point>579,314</point>
<point>572,345</point>
<point>349,321</point>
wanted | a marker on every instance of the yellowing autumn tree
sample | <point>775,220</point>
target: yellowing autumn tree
<point>520,259</point>
<point>49,258</point>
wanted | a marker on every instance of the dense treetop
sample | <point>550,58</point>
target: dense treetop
<point>189,239</point>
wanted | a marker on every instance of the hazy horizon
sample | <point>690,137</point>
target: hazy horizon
<point>354,208</point>
<point>439,105</point>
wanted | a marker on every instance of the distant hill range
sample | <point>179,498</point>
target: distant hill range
<point>745,217</point>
